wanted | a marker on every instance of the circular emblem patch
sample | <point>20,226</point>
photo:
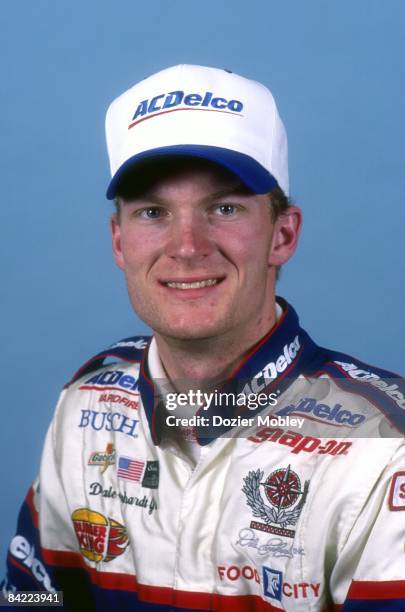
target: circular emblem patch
<point>282,488</point>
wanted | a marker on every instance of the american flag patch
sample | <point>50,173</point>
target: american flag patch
<point>130,469</point>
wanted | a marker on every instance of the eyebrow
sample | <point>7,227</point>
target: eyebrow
<point>238,189</point>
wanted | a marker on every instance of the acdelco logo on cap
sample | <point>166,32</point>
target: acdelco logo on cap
<point>167,102</point>
<point>100,538</point>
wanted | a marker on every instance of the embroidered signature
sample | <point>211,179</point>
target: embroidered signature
<point>275,547</point>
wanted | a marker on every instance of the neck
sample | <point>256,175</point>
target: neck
<point>204,363</point>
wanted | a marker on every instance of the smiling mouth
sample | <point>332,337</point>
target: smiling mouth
<point>209,282</point>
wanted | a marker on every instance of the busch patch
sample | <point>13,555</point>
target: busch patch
<point>109,421</point>
<point>285,495</point>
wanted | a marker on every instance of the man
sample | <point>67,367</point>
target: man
<point>228,463</point>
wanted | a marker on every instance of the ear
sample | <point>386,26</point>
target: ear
<point>286,232</point>
<point>115,228</point>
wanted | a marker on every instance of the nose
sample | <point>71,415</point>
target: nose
<point>189,238</point>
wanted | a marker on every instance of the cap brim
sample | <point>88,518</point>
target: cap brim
<point>250,172</point>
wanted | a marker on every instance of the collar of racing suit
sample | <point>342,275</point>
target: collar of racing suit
<point>270,367</point>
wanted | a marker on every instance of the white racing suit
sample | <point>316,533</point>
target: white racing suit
<point>302,511</point>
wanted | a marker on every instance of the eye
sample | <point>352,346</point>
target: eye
<point>226,210</point>
<point>151,212</point>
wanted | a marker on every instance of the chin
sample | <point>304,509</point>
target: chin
<point>190,330</point>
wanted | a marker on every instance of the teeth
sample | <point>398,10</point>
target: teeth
<point>196,285</point>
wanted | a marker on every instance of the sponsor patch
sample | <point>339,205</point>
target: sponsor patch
<point>103,459</point>
<point>151,475</point>
<point>275,587</point>
<point>299,443</point>
<point>112,379</point>
<point>396,499</point>
<point>116,398</point>
<point>235,572</point>
<point>100,538</point>
<point>272,583</point>
<point>180,100</point>
<point>392,390</point>
<point>24,552</point>
<point>272,370</point>
<point>322,413</point>
<point>283,490</point>
<point>139,344</point>
<point>109,421</point>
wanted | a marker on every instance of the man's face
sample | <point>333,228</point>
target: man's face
<point>199,253</point>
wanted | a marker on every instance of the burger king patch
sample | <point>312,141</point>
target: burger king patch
<point>100,538</point>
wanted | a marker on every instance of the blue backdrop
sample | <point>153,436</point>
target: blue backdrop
<point>337,71</point>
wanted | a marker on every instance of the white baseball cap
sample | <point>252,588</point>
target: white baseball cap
<point>202,112</point>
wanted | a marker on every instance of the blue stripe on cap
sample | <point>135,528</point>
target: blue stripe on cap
<point>250,172</point>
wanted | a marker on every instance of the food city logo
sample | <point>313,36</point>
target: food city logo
<point>322,413</point>
<point>283,490</point>
<point>103,459</point>
<point>100,538</point>
<point>235,572</point>
<point>179,101</point>
<point>275,587</point>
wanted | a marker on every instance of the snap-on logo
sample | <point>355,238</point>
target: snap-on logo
<point>179,100</point>
<point>299,443</point>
